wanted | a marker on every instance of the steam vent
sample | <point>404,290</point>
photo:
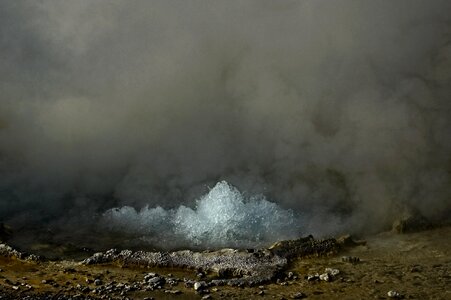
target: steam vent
<point>225,149</point>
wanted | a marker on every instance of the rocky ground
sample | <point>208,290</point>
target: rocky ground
<point>385,266</point>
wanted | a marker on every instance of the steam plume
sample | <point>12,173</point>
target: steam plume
<point>337,110</point>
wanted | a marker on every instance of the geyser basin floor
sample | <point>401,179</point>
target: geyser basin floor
<point>222,218</point>
<point>417,265</point>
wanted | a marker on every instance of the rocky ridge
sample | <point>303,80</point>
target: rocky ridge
<point>231,266</point>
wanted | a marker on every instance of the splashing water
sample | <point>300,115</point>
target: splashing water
<point>224,217</point>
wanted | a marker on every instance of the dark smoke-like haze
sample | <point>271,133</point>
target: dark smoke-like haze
<point>339,110</point>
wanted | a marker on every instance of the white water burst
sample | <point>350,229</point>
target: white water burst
<point>223,217</point>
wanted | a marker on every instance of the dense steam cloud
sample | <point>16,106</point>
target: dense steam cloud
<point>337,110</point>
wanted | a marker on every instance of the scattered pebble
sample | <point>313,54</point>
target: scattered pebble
<point>324,277</point>
<point>199,285</point>
<point>332,272</point>
<point>175,292</point>
<point>156,281</point>
<point>172,281</point>
<point>327,276</point>
<point>150,275</point>
<point>313,277</point>
<point>350,259</point>
<point>298,295</point>
<point>395,295</point>
<point>47,281</point>
<point>98,282</point>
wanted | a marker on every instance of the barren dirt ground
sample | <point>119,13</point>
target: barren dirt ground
<point>415,265</point>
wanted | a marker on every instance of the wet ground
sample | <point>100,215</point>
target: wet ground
<point>410,266</point>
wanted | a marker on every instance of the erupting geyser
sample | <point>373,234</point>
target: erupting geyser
<point>222,218</point>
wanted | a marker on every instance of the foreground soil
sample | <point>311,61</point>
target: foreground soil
<point>414,265</point>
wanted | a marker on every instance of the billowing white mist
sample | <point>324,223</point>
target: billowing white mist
<point>339,110</point>
<point>223,217</point>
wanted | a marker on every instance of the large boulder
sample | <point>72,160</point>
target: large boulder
<point>411,223</point>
